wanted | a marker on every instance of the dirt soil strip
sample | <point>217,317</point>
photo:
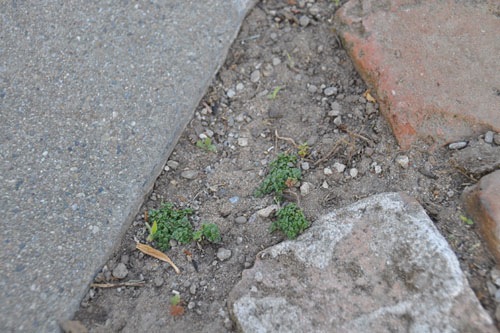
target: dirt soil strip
<point>287,82</point>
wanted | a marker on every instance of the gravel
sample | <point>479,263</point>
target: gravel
<point>330,91</point>
<point>488,137</point>
<point>223,254</point>
<point>255,76</point>
<point>403,161</point>
<point>120,271</point>
<point>189,174</point>
<point>240,220</point>
<point>457,145</point>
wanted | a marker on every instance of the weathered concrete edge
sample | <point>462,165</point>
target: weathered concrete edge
<point>147,188</point>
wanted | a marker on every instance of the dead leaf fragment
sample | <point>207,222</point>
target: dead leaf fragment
<point>146,249</point>
<point>369,97</point>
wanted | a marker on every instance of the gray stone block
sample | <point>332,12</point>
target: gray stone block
<point>378,265</point>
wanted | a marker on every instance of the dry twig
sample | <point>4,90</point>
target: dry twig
<point>119,284</point>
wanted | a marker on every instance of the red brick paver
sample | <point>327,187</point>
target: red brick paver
<point>433,65</point>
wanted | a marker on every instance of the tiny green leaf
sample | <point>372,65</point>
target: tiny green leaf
<point>176,299</point>
<point>466,220</point>
<point>274,94</point>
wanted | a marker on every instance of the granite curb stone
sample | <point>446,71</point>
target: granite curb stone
<point>378,265</point>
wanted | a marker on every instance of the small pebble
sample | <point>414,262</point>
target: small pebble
<point>339,167</point>
<point>325,185</point>
<point>240,220</point>
<point>304,21</point>
<point>312,88</point>
<point>255,76</point>
<point>488,137</point>
<point>496,139</point>
<point>234,200</point>
<point>240,86</point>
<point>330,91</point>
<point>353,172</point>
<point>259,277</point>
<point>192,289</point>
<point>327,171</point>
<point>230,93</point>
<point>457,145</point>
<point>120,271</point>
<point>305,166</point>
<point>228,324</point>
<point>223,254</point>
<point>189,174</point>
<point>124,259</point>
<point>266,212</point>
<point>242,142</point>
<point>403,161</point>
<point>158,281</point>
<point>495,276</point>
<point>191,305</point>
<point>305,188</point>
<point>276,61</point>
<point>377,169</point>
<point>173,164</point>
<point>491,288</point>
<point>337,121</point>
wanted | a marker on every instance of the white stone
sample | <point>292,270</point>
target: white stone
<point>353,172</point>
<point>327,171</point>
<point>242,142</point>
<point>339,167</point>
<point>403,161</point>
<point>266,212</point>
<point>255,76</point>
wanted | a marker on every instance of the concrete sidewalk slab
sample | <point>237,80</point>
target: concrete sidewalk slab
<point>93,97</point>
<point>433,65</point>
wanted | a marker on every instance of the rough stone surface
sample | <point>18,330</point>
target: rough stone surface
<point>482,202</point>
<point>93,96</point>
<point>433,68</point>
<point>478,158</point>
<point>379,265</point>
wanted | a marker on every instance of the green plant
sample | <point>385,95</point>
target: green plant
<point>275,92</point>
<point>336,2</point>
<point>466,220</point>
<point>282,175</point>
<point>170,224</point>
<point>208,231</point>
<point>303,150</point>
<point>207,145</point>
<point>291,221</point>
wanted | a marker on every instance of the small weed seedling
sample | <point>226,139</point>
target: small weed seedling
<point>176,308</point>
<point>282,175</point>
<point>170,224</point>
<point>291,221</point>
<point>303,150</point>
<point>209,232</point>
<point>466,220</point>
<point>274,94</point>
<point>207,145</point>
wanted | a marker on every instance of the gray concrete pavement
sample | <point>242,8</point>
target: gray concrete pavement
<point>93,97</point>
